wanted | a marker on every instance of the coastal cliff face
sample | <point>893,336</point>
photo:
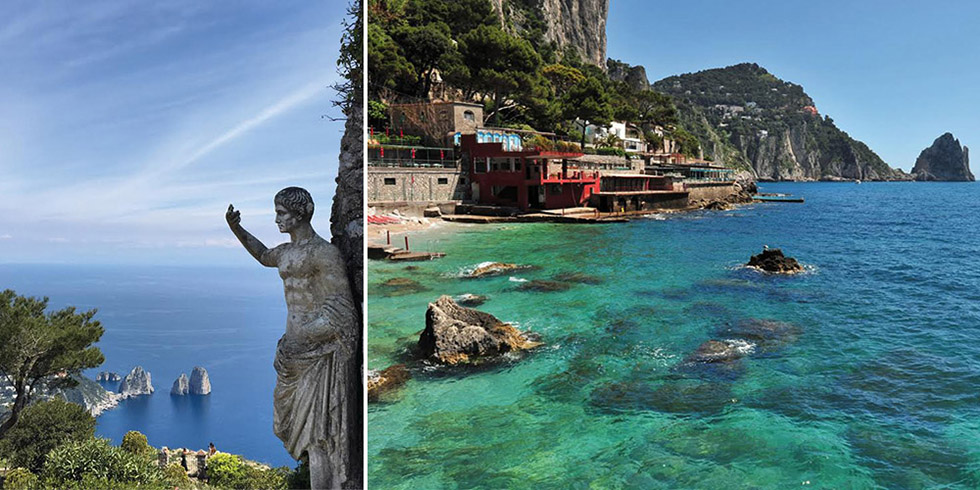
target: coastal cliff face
<point>747,118</point>
<point>580,24</point>
<point>634,76</point>
<point>945,160</point>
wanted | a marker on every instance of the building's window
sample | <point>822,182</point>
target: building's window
<point>469,116</point>
<point>443,181</point>
<point>389,181</point>
<point>517,165</point>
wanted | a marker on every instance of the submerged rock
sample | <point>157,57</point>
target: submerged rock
<point>455,334</point>
<point>488,269</point>
<point>180,386</point>
<point>381,382</point>
<point>544,286</point>
<point>577,277</point>
<point>398,286</point>
<point>672,396</point>
<point>136,383</point>
<point>718,206</point>
<point>108,376</point>
<point>772,260</point>
<point>471,300</point>
<point>766,334</point>
<point>719,351</point>
<point>200,383</point>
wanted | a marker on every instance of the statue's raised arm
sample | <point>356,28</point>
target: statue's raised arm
<point>254,246</point>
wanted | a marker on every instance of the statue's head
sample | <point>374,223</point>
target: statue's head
<point>293,206</point>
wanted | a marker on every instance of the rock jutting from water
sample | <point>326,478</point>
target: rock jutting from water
<point>382,382</point>
<point>945,160</point>
<point>181,385</point>
<point>136,383</point>
<point>470,300</point>
<point>200,384</point>
<point>488,269</point>
<point>108,376</point>
<point>458,335</point>
<point>772,260</point>
<point>400,286</point>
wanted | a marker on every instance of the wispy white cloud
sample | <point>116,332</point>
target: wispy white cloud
<point>6,236</point>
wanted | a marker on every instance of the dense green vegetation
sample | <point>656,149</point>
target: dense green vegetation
<point>521,80</point>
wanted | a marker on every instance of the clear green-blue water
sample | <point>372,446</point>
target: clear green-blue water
<point>874,383</point>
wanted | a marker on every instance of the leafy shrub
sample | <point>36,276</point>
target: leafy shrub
<point>20,479</point>
<point>135,443</point>
<point>96,461</point>
<point>42,427</point>
<point>619,152</point>
<point>174,476</point>
<point>377,114</point>
<point>231,471</point>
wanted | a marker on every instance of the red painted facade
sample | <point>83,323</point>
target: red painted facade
<point>536,179</point>
<point>529,179</point>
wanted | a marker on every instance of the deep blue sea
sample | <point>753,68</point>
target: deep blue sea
<point>872,382</point>
<point>169,320</point>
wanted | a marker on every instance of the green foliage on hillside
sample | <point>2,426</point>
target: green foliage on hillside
<point>516,75</point>
<point>732,110</point>
<point>41,428</point>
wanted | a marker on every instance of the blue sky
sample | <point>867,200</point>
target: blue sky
<point>894,74</point>
<point>126,128</point>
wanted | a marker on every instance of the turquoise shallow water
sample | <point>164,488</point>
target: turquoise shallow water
<point>874,382</point>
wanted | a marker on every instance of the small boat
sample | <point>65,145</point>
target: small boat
<point>783,198</point>
<point>857,181</point>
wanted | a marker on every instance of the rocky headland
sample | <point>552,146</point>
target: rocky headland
<point>945,160</point>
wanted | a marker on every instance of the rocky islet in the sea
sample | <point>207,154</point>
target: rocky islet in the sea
<point>945,160</point>
<point>487,269</point>
<point>458,335</point>
<point>773,261</point>
<point>181,385</point>
<point>470,300</point>
<point>136,383</point>
<point>198,384</point>
<point>108,377</point>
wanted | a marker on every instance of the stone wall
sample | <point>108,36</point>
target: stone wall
<point>415,185</point>
<point>711,191</point>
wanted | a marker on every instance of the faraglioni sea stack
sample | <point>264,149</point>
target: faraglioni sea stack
<point>136,383</point>
<point>945,160</point>
<point>200,382</point>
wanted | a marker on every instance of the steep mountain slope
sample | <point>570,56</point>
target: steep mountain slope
<point>746,117</point>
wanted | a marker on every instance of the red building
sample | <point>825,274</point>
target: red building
<point>541,179</point>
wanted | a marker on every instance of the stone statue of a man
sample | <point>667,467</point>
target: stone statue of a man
<point>313,356</point>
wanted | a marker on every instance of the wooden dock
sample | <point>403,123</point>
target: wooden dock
<point>395,254</point>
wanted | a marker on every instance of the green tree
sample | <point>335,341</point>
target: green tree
<point>387,67</point>
<point>424,47</point>
<point>501,66</point>
<point>43,350</point>
<point>588,101</point>
<point>42,427</point>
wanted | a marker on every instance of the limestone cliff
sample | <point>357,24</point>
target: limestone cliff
<point>136,383</point>
<point>945,160</point>
<point>634,76</point>
<point>578,24</point>
<point>747,118</point>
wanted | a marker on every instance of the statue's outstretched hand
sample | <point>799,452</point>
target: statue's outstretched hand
<point>233,216</point>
